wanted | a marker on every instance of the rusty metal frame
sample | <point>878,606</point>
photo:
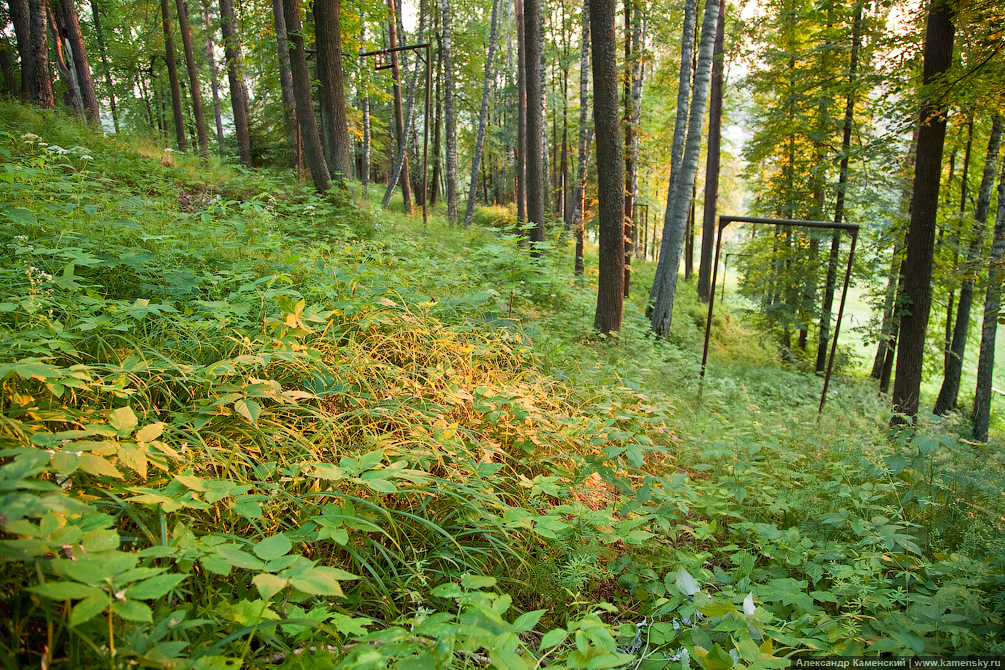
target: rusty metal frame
<point>425,129</point>
<point>724,220</point>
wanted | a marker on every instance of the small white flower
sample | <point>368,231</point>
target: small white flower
<point>168,149</point>
<point>30,137</point>
<point>87,157</point>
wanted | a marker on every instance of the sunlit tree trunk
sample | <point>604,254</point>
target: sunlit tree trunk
<point>938,55</point>
<point>610,166</point>
<point>285,74</point>
<point>482,116</point>
<point>521,131</point>
<point>399,116</point>
<point>574,220</point>
<point>679,196</point>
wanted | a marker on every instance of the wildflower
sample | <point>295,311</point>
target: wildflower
<point>86,157</point>
<point>30,137</point>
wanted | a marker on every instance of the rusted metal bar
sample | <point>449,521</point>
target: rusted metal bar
<point>364,54</point>
<point>724,221</point>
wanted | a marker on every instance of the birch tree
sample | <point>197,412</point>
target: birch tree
<point>482,115</point>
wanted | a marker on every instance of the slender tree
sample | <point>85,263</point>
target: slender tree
<point>950,390</point>
<point>402,157</point>
<point>989,331</point>
<point>574,215</point>
<point>302,91</point>
<point>449,112</point>
<point>482,116</point>
<point>521,131</point>
<point>679,196</point>
<point>285,75</point>
<point>398,116</point>
<point>185,31</point>
<point>610,166</point>
<point>179,120</point>
<point>102,53</point>
<point>712,162</point>
<point>20,16</point>
<point>214,80</point>
<point>938,55</point>
<point>235,75</point>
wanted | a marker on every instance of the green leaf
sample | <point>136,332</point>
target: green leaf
<point>686,584</point>
<point>553,638</point>
<point>318,581</point>
<point>239,559</point>
<point>472,582</point>
<point>88,608</point>
<point>269,585</point>
<point>527,621</point>
<point>65,590</point>
<point>507,660</point>
<point>155,587</point>
<point>97,466</point>
<point>123,420</point>
<point>133,611</point>
<point>249,409</point>
<point>273,547</point>
<point>100,540</point>
<point>150,432</point>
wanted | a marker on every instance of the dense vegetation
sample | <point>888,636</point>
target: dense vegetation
<point>247,425</point>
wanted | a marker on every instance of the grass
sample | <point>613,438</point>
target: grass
<point>245,425</point>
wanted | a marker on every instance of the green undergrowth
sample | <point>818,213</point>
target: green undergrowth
<point>248,426</point>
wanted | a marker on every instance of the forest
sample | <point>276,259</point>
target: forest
<point>478,334</point>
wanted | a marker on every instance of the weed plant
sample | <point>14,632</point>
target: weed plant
<point>245,425</point>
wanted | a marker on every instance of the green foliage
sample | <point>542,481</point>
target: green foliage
<point>245,426</point>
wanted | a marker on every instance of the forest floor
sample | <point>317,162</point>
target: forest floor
<point>245,425</point>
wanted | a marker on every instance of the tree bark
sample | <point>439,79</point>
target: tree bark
<point>575,219</point>
<point>629,200</point>
<point>20,16</point>
<point>328,29</point>
<point>302,91</point>
<point>521,128</point>
<point>179,119</point>
<point>285,74</point>
<point>534,127</point>
<point>193,76</point>
<point>679,196</point>
<point>610,166</point>
<point>448,108</point>
<point>950,390</point>
<point>401,160</point>
<point>940,33</point>
<point>235,75</point>
<point>214,79</point>
<point>434,194</point>
<point>708,222</point>
<point>482,116</point>
<point>102,52</point>
<point>989,331</point>
<point>399,117</point>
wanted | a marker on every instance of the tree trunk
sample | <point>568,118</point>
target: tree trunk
<point>576,219</point>
<point>950,390</point>
<point>20,16</point>
<point>365,171</point>
<point>9,85</point>
<point>534,49</point>
<point>434,195</point>
<point>399,117</point>
<point>214,80</point>
<point>921,236</point>
<point>629,199</point>
<point>179,120</point>
<point>328,34</point>
<point>989,331</point>
<point>63,60</point>
<point>679,196</point>
<point>521,128</point>
<point>193,76</point>
<point>708,223</point>
<point>96,16</point>
<point>304,103</point>
<point>610,180</point>
<point>285,74</point>
<point>683,92</point>
<point>448,106</point>
<point>401,160</point>
<point>482,116</point>
<point>235,74</point>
